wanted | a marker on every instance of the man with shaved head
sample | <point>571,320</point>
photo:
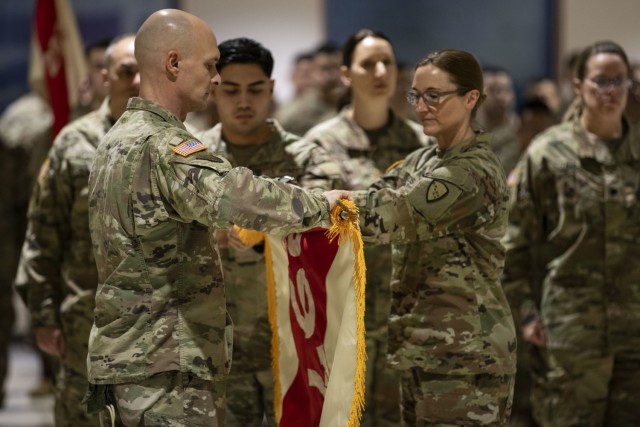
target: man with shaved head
<point>159,350</point>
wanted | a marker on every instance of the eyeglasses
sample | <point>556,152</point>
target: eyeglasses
<point>431,98</point>
<point>603,83</point>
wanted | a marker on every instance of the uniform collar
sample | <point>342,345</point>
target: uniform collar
<point>478,138</point>
<point>596,148</point>
<point>137,103</point>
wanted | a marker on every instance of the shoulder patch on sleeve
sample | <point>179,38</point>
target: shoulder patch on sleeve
<point>188,147</point>
<point>436,191</point>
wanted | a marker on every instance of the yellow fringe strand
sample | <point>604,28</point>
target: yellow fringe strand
<point>345,226</point>
<point>249,237</point>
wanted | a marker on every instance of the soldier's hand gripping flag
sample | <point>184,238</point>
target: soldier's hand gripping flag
<point>315,288</point>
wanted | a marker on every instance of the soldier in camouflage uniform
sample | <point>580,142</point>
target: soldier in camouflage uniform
<point>365,139</point>
<point>159,349</point>
<point>245,137</point>
<point>444,209</point>
<point>318,103</point>
<point>574,218</point>
<point>498,116</point>
<point>58,271</point>
<point>25,137</point>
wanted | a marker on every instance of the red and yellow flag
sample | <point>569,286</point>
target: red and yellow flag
<point>315,287</point>
<point>57,61</point>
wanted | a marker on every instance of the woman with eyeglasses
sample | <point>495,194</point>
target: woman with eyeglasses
<point>365,138</point>
<point>572,251</point>
<point>444,209</point>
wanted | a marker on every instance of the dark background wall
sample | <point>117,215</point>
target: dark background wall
<point>517,35</point>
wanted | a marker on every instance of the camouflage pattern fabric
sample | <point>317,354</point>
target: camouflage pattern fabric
<point>156,195</point>
<point>169,399</point>
<point>505,143</point>
<point>363,162</point>
<point>57,266</point>
<point>455,400</point>
<point>304,112</point>
<point>25,137</point>
<point>445,213</point>
<point>250,383</point>
<point>574,219</point>
<point>250,398</point>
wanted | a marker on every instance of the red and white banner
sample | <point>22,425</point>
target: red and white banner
<point>57,61</point>
<point>317,313</point>
<point>315,287</point>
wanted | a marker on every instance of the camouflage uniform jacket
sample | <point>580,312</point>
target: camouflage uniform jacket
<point>363,164</point>
<point>304,112</point>
<point>281,154</point>
<point>445,213</point>
<point>160,304</point>
<point>57,256</point>
<point>505,143</point>
<point>25,138</point>
<point>575,221</point>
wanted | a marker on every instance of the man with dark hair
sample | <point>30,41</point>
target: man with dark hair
<point>92,88</point>
<point>535,116</point>
<point>497,115</point>
<point>247,137</point>
<point>302,75</point>
<point>323,101</point>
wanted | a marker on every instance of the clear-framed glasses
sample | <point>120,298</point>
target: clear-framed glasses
<point>603,83</point>
<point>432,98</point>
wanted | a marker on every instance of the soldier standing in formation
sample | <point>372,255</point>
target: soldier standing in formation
<point>575,218</point>
<point>57,269</point>
<point>498,116</point>
<point>25,137</point>
<point>320,102</point>
<point>246,137</point>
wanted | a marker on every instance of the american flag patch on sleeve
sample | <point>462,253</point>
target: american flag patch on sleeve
<point>189,147</point>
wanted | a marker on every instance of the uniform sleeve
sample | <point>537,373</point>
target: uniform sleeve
<point>47,230</point>
<point>520,279</point>
<point>446,201</point>
<point>204,188</point>
<point>320,171</point>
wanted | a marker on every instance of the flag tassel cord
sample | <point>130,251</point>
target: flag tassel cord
<point>345,226</point>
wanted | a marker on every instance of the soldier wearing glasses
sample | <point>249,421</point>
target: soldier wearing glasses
<point>444,210</point>
<point>365,138</point>
<point>575,219</point>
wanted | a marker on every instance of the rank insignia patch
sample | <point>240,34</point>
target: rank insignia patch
<point>189,147</point>
<point>436,191</point>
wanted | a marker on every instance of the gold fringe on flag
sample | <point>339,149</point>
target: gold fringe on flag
<point>345,226</point>
<point>249,237</point>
